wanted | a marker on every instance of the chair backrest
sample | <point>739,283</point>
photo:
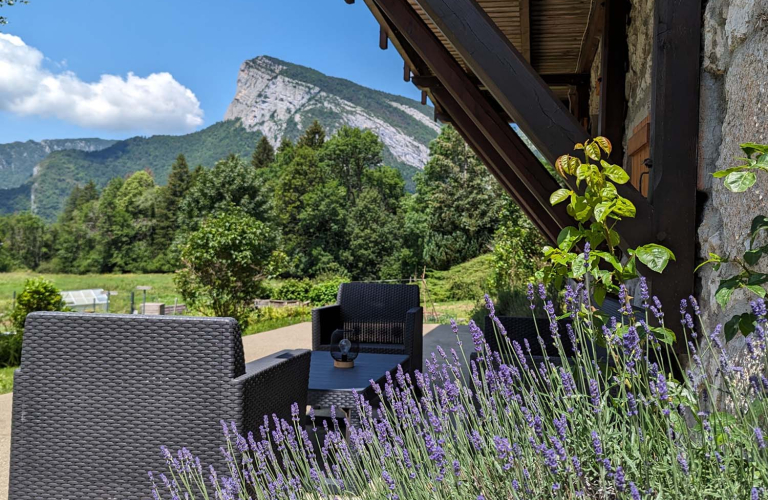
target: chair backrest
<point>520,329</point>
<point>377,311</point>
<point>97,394</point>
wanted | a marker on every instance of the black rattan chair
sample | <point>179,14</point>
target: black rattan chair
<point>98,394</point>
<point>387,319</point>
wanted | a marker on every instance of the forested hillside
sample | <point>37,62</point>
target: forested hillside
<point>335,208</point>
<point>61,171</point>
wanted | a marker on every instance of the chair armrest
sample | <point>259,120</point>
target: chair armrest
<point>271,385</point>
<point>325,320</point>
<point>414,337</point>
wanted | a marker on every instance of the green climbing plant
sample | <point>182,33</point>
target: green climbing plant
<point>739,179</point>
<point>592,247</point>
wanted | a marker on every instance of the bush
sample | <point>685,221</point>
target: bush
<point>39,294</point>
<point>326,292</point>
<point>507,429</point>
<point>293,289</point>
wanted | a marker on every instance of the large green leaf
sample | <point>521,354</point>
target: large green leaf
<point>624,208</point>
<point>656,257</point>
<point>559,196</point>
<point>604,143</point>
<point>752,257</point>
<point>568,237</point>
<point>738,182</point>
<point>751,148</point>
<point>603,210</point>
<point>578,267</point>
<point>757,279</point>
<point>756,289</point>
<point>758,224</point>
<point>615,173</point>
<point>609,191</point>
<point>725,290</point>
<point>593,151</point>
<point>722,173</point>
<point>599,293</point>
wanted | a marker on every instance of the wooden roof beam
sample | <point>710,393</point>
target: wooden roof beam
<point>592,35</point>
<point>525,29</point>
<point>520,91</point>
<point>499,134</point>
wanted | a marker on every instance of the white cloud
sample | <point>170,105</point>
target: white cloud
<point>155,104</point>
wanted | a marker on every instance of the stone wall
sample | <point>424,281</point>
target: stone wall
<point>733,110</point>
<point>638,81</point>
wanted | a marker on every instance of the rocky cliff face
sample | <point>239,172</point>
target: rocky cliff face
<point>280,99</point>
<point>19,159</point>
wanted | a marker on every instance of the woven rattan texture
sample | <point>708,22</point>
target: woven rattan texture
<point>520,329</point>
<point>97,395</point>
<point>387,318</point>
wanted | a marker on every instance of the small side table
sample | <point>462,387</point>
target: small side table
<point>339,386</point>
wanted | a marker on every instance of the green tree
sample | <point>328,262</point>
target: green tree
<point>374,238</point>
<point>225,263</point>
<point>169,199</point>
<point>350,153</point>
<point>263,155</point>
<point>230,182</point>
<point>24,237</point>
<point>461,202</point>
<point>517,246</point>
<point>314,136</point>
<point>9,3</point>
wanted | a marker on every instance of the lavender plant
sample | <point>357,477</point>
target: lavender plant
<point>507,425</point>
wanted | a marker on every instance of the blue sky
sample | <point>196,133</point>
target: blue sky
<point>73,43</point>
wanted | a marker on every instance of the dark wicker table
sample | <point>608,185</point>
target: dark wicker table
<point>337,386</point>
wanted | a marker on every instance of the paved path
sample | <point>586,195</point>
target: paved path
<point>291,337</point>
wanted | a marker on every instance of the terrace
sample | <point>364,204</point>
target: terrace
<point>555,73</point>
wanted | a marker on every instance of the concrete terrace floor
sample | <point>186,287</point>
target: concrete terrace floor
<point>256,346</point>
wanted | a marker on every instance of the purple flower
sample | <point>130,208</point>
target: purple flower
<point>530,295</point>
<point>759,308</point>
<point>477,336</point>
<point>683,462</point>
<point>594,393</point>
<point>759,438</point>
<point>625,308</point>
<point>644,296</point>
<point>596,444</point>
<point>587,248</point>
<point>489,306</point>
<point>619,479</point>
<point>656,308</point>
<point>561,425</point>
<point>695,305</point>
<point>631,405</point>
<point>542,292</point>
<point>633,491</point>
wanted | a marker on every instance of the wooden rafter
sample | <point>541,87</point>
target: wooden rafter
<point>525,29</point>
<point>592,35</point>
<point>520,91</point>
<point>422,77</point>
<point>499,134</point>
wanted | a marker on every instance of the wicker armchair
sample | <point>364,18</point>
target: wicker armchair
<point>387,318</point>
<point>98,394</point>
<point>521,329</point>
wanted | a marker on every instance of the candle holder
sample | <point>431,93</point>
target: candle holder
<point>344,348</point>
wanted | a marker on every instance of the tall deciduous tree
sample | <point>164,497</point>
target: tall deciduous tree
<point>350,153</point>
<point>263,155</point>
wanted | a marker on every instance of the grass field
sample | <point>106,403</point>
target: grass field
<point>6,380</point>
<point>163,289</point>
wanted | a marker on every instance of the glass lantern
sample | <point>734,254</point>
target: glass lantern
<point>344,348</point>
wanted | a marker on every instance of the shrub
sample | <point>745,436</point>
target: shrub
<point>325,293</point>
<point>293,289</point>
<point>39,294</point>
<point>226,262</point>
<point>508,428</point>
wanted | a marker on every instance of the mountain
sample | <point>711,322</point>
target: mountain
<point>281,99</point>
<point>19,159</point>
<point>273,98</point>
<point>63,170</point>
